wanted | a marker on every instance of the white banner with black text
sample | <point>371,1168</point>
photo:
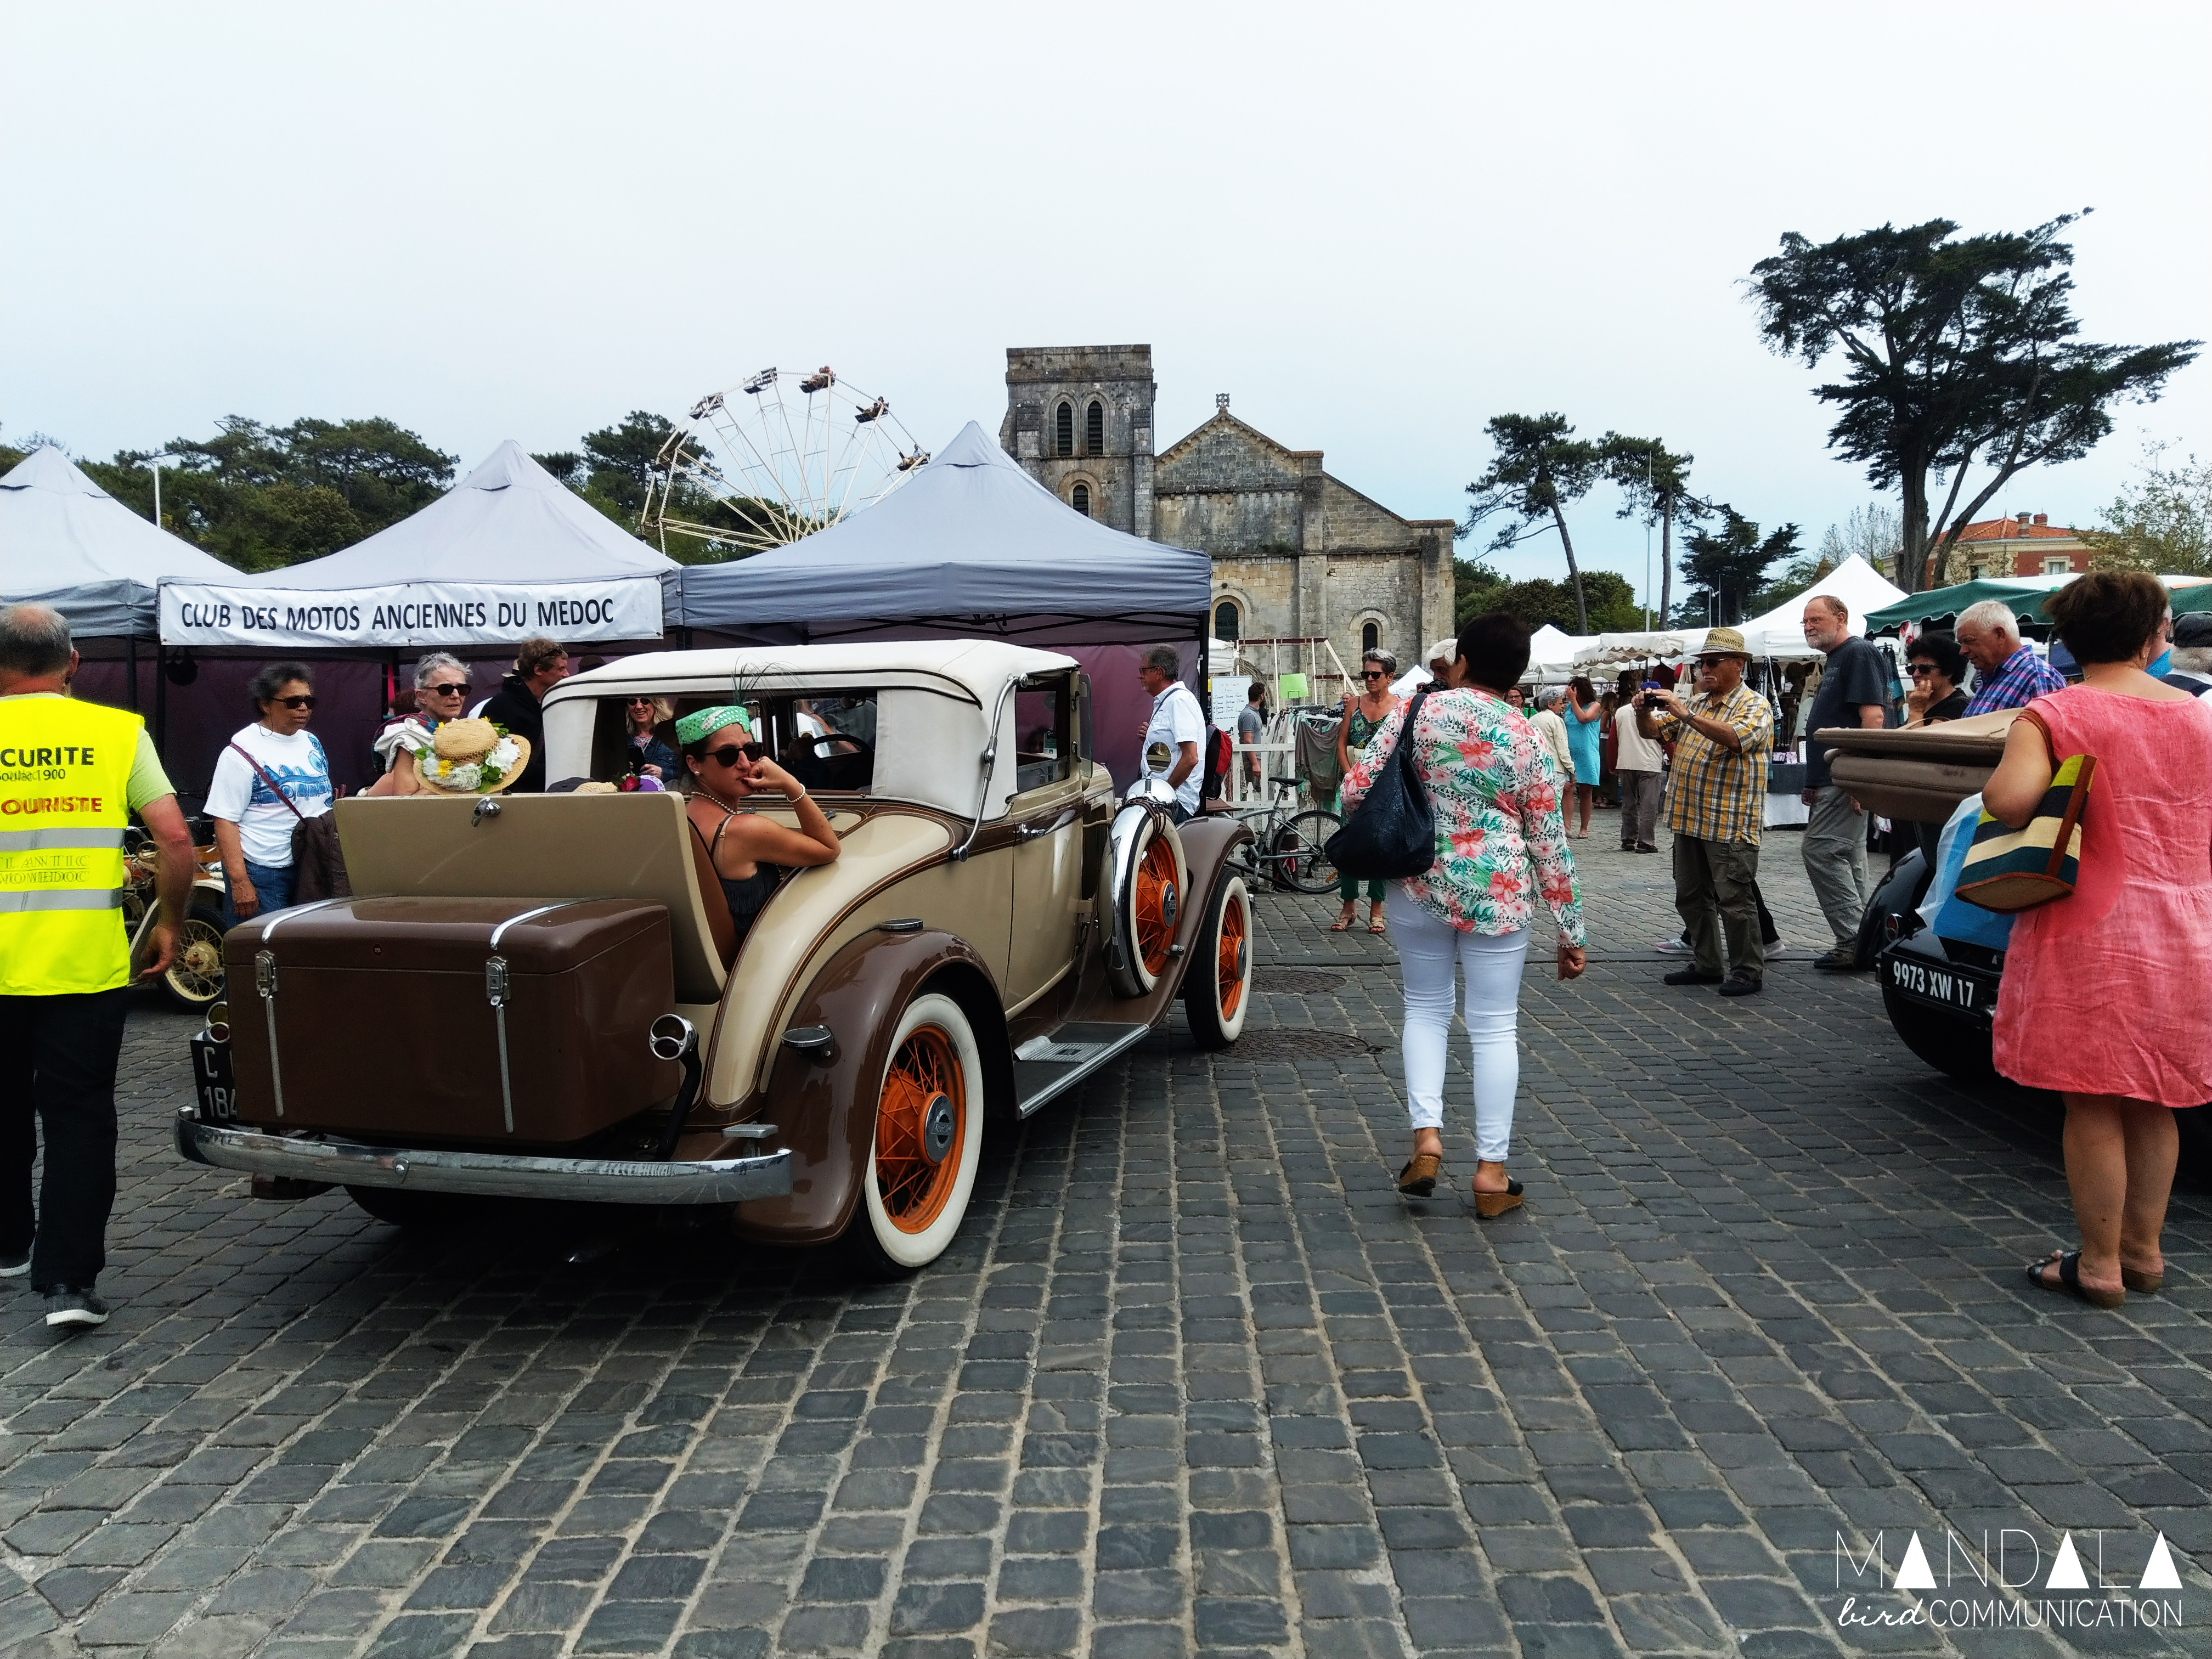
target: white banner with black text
<point>410,614</point>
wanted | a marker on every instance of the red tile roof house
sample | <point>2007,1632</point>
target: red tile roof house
<point>2022,544</point>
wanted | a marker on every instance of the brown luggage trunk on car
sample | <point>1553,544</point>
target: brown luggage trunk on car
<point>502,1022</point>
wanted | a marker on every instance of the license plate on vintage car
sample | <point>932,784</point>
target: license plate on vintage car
<point>1945,986</point>
<point>211,1079</point>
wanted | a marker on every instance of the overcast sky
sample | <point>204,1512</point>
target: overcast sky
<point>1375,227</point>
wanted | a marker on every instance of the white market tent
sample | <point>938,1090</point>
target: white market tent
<point>1553,649</point>
<point>1780,632</point>
<point>1607,648</point>
<point>970,544</point>
<point>67,543</point>
<point>507,552</point>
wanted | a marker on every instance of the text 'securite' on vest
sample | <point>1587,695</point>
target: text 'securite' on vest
<point>64,772</point>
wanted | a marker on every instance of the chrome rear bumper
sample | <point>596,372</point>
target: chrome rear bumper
<point>602,1181</point>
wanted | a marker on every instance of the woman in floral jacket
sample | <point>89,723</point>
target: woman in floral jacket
<point>1501,846</point>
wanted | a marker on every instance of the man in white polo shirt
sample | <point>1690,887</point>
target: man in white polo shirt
<point>1176,735</point>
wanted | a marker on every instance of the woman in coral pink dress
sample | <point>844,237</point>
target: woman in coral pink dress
<point>2101,997</point>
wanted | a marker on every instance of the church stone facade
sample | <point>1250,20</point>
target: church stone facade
<point>1297,553</point>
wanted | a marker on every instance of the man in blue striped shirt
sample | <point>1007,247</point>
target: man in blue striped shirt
<point>2007,674</point>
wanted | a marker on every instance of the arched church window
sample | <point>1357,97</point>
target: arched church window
<point>1063,430</point>
<point>1226,623</point>
<point>1094,429</point>
<point>1079,499</point>
<point>1370,636</point>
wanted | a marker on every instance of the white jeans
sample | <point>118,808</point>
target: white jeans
<point>1428,951</point>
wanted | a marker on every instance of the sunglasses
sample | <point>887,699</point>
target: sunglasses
<point>641,703</point>
<point>730,753</point>
<point>451,690</point>
<point>1920,668</point>
<point>1373,674</point>
<point>295,702</point>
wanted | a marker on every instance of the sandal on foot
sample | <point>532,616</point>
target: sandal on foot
<point>1340,925</point>
<point>1418,1178</point>
<point>2069,1280</point>
<point>2143,1283</point>
<point>1491,1206</point>
<point>1376,927</point>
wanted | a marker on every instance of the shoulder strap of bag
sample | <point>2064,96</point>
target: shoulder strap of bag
<point>1405,756</point>
<point>276,788</point>
<point>2050,752</point>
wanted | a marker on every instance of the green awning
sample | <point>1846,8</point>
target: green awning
<point>2026,600</point>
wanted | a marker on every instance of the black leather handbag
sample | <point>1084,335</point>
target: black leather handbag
<point>1393,832</point>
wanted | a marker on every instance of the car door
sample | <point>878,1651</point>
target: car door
<point>1050,903</point>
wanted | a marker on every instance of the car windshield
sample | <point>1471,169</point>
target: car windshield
<point>824,739</point>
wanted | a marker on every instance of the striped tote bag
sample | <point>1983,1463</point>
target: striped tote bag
<point>2008,870</point>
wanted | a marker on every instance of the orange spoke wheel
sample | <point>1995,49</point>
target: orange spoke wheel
<point>921,1123</point>
<point>1214,1002</point>
<point>1229,962</point>
<point>1154,904</point>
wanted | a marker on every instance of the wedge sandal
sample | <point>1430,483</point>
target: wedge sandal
<point>1418,1178</point>
<point>1491,1206</point>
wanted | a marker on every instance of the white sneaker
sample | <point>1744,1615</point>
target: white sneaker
<point>16,1267</point>
<point>1674,947</point>
<point>75,1310</point>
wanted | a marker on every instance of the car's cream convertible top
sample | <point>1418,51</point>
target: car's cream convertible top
<point>939,705</point>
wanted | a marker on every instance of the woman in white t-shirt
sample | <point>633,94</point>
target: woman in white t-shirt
<point>272,775</point>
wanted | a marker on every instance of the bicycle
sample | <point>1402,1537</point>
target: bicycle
<point>1286,848</point>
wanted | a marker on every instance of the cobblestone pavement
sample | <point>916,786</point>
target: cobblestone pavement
<point>1193,1379</point>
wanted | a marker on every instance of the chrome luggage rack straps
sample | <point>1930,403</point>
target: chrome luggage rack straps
<point>496,988</point>
<point>264,982</point>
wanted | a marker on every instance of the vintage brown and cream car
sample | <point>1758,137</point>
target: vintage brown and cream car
<point>544,996</point>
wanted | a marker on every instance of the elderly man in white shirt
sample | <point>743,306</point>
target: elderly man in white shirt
<point>1176,735</point>
<point>1553,730</point>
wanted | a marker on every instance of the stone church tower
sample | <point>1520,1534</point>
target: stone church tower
<point>1297,553</point>
<point>1079,419</point>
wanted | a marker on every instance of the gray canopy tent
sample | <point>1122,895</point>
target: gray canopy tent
<point>65,542</point>
<point>972,546</point>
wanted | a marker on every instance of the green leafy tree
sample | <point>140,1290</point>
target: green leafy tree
<point>2162,522</point>
<point>1475,590</point>
<point>1654,485</point>
<point>263,497</point>
<point>618,459</point>
<point>1479,589</point>
<point>1540,468</point>
<point>566,465</point>
<point>1958,352</point>
<point>1725,569</point>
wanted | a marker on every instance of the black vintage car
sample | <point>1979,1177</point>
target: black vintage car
<point>1940,995</point>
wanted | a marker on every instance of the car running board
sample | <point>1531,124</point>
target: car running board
<point>1044,1066</point>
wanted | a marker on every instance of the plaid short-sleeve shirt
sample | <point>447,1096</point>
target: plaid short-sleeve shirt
<point>2024,678</point>
<point>1715,792</point>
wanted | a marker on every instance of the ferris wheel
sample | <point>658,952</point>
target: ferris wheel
<point>783,454</point>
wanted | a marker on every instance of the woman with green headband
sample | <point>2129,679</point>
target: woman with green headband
<point>748,852</point>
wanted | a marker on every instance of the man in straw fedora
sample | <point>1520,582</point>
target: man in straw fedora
<point>1716,802</point>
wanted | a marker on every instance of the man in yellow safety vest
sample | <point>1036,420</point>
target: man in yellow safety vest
<point>71,775</point>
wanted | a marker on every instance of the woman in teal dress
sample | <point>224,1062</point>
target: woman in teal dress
<point>1585,711</point>
<point>1363,716</point>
